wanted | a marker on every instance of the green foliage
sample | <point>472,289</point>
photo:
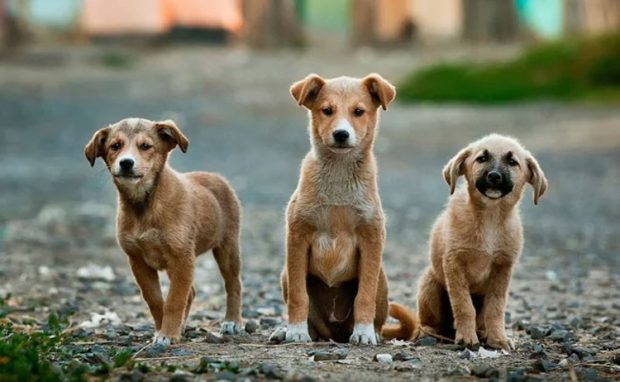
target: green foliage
<point>562,70</point>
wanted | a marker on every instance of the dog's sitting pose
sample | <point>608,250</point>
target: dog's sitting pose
<point>333,281</point>
<point>476,241</point>
<point>165,219</point>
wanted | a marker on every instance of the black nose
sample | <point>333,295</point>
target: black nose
<point>126,164</point>
<point>341,136</point>
<point>494,177</point>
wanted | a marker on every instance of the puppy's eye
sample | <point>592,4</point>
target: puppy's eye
<point>116,146</point>
<point>513,162</point>
<point>482,159</point>
<point>358,112</point>
<point>327,111</point>
<point>145,146</point>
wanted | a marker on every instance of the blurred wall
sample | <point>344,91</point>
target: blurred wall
<point>437,19</point>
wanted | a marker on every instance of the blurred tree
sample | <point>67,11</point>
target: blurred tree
<point>363,22</point>
<point>270,23</point>
<point>490,20</point>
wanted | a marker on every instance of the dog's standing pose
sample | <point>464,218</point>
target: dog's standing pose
<point>333,281</point>
<point>476,241</point>
<point>165,219</point>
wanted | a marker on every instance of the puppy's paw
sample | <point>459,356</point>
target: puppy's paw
<point>230,327</point>
<point>364,334</point>
<point>297,333</point>
<point>500,342</point>
<point>163,341</point>
<point>467,338</point>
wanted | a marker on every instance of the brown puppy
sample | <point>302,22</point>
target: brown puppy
<point>333,282</point>
<point>476,241</point>
<point>165,219</point>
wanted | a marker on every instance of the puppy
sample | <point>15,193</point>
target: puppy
<point>476,241</point>
<point>165,219</point>
<point>333,282</point>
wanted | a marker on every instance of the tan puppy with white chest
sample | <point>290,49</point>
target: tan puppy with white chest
<point>165,219</point>
<point>476,241</point>
<point>333,282</point>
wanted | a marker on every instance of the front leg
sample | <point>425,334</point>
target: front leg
<point>460,300</point>
<point>297,294</point>
<point>181,275</point>
<point>371,239</point>
<point>148,282</point>
<point>495,305</point>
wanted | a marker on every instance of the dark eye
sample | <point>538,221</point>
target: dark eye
<point>327,111</point>
<point>145,146</point>
<point>482,158</point>
<point>513,162</point>
<point>116,146</point>
<point>358,112</point>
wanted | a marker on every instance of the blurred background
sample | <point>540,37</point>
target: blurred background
<point>544,71</point>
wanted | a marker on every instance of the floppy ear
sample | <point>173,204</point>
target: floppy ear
<point>454,168</point>
<point>381,91</point>
<point>95,147</point>
<point>537,178</point>
<point>306,91</point>
<point>171,134</point>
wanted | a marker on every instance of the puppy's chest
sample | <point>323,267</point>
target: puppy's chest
<point>151,244</point>
<point>334,245</point>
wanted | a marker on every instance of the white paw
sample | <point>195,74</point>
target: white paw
<point>297,333</point>
<point>364,334</point>
<point>230,327</point>
<point>161,340</point>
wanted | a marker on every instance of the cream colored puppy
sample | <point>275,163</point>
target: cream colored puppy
<point>476,241</point>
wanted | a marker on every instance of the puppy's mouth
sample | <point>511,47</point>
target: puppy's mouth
<point>494,191</point>
<point>340,149</point>
<point>133,177</point>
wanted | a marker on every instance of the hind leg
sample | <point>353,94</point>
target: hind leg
<point>228,260</point>
<point>430,304</point>
<point>188,307</point>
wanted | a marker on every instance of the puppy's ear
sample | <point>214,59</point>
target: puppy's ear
<point>172,135</point>
<point>537,178</point>
<point>455,168</point>
<point>96,146</point>
<point>381,91</point>
<point>305,92</point>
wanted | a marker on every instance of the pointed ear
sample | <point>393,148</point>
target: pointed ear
<point>305,92</point>
<point>381,91</point>
<point>171,134</point>
<point>96,146</point>
<point>455,168</point>
<point>537,178</point>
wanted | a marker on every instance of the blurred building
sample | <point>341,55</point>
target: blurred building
<point>268,23</point>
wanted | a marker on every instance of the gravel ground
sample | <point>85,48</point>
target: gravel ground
<point>57,228</point>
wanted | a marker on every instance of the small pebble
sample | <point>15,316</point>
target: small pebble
<point>213,338</point>
<point>383,358</point>
<point>543,365</point>
<point>331,355</point>
<point>251,326</point>
<point>404,356</point>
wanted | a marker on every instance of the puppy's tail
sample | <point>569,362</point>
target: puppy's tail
<point>407,326</point>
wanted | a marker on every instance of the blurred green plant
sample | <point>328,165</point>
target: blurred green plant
<point>566,70</point>
<point>117,60</point>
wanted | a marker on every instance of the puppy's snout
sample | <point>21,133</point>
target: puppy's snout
<point>126,164</point>
<point>341,136</point>
<point>494,177</point>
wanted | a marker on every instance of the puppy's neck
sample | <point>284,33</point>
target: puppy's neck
<point>343,179</point>
<point>138,198</point>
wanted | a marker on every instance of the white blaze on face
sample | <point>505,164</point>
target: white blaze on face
<point>344,124</point>
<point>126,155</point>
